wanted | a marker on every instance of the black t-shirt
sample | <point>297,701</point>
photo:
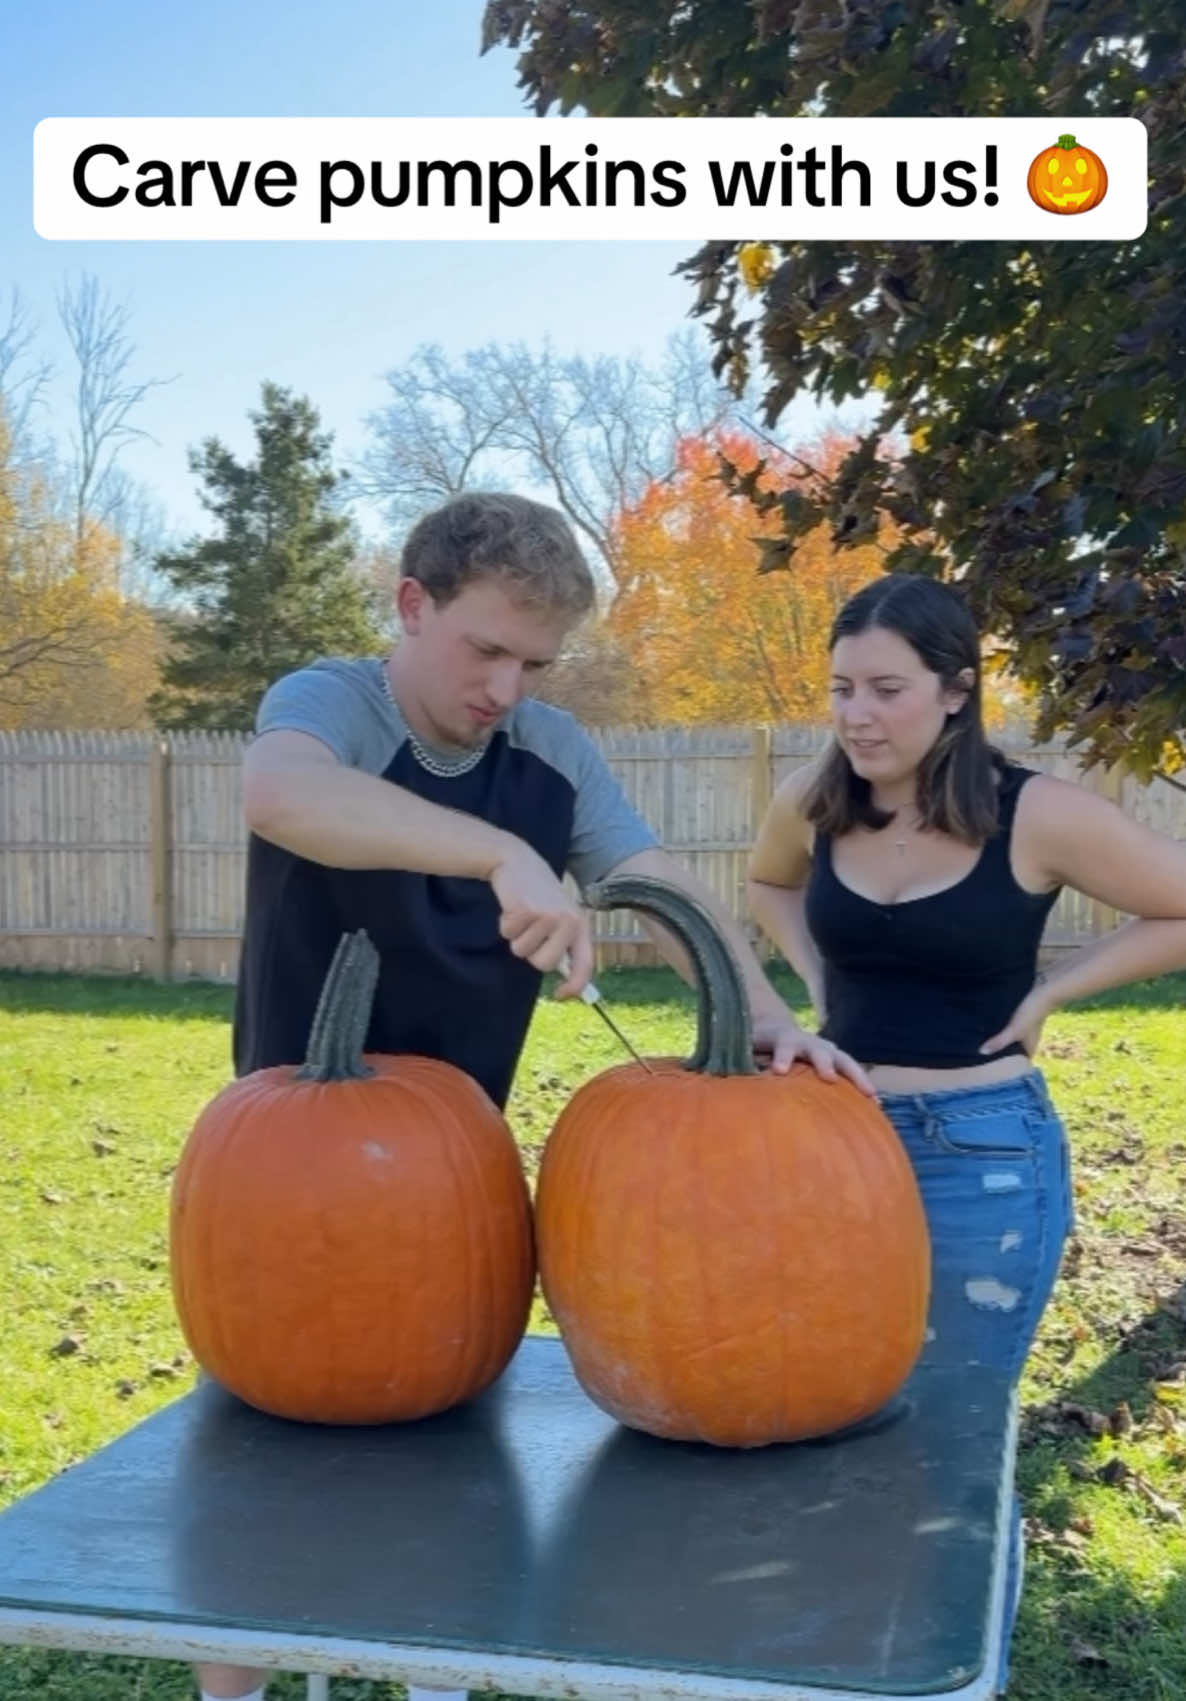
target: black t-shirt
<point>449,985</point>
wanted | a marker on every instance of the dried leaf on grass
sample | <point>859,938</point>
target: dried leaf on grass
<point>1117,1474</point>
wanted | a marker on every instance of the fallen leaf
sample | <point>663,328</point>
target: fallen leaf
<point>1120,1418</point>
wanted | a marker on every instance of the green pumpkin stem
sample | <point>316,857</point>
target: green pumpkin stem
<point>1067,142</point>
<point>343,1014</point>
<point>724,1040</point>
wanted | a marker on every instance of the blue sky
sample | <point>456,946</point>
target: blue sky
<point>327,319</point>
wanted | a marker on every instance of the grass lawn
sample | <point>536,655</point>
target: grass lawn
<point>100,1080</point>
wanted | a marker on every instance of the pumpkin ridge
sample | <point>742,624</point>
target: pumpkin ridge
<point>470,1264</point>
<point>781,1254</point>
<point>208,1173</point>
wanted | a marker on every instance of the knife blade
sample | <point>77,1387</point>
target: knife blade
<point>589,994</point>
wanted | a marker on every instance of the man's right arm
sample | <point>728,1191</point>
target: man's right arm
<point>297,794</point>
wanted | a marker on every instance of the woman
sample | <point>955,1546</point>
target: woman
<point>907,875</point>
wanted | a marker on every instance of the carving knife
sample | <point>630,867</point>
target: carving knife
<point>590,995</point>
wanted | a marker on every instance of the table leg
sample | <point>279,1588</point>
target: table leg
<point>318,1687</point>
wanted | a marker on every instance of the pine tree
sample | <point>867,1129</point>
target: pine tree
<point>275,586</point>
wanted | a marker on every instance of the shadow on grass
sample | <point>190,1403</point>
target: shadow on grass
<point>114,995</point>
<point>1090,1633</point>
<point>202,1000</point>
<point>663,986</point>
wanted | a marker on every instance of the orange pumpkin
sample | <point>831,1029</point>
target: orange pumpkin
<point>351,1240</point>
<point>731,1256</point>
<point>1067,178</point>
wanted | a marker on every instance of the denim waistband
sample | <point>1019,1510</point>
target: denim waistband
<point>1018,1092</point>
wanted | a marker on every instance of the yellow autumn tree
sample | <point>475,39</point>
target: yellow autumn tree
<point>710,639</point>
<point>74,652</point>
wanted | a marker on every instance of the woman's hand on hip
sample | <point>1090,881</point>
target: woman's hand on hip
<point>1025,1024</point>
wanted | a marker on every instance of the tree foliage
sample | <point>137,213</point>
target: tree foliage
<point>275,585</point>
<point>74,650</point>
<point>596,678</point>
<point>704,644</point>
<point>1040,387</point>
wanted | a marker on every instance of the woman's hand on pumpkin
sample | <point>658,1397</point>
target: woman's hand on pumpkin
<point>780,1037</point>
<point>541,921</point>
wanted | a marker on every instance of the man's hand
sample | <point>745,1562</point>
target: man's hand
<point>778,1036</point>
<point>540,920</point>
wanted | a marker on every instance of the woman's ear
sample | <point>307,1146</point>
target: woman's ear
<point>957,695</point>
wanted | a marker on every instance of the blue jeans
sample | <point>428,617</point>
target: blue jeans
<point>993,1167</point>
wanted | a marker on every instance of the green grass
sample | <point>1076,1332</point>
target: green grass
<point>100,1080</point>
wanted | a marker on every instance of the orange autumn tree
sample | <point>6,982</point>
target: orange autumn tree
<point>710,639</point>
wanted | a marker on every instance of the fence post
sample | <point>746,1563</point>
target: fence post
<point>160,819</point>
<point>761,788</point>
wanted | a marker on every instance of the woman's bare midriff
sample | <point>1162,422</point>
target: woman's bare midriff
<point>898,1078</point>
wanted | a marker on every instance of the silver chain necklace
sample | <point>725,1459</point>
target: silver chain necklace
<point>443,767</point>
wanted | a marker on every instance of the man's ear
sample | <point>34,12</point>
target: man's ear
<point>410,600</point>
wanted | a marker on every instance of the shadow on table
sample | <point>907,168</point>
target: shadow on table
<point>857,1562</point>
<point>420,1529</point>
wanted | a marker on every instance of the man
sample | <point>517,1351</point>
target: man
<point>428,798</point>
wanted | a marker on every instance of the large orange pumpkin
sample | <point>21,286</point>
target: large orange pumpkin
<point>731,1256</point>
<point>1067,178</point>
<point>351,1240</point>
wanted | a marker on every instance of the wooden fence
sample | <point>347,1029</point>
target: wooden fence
<point>126,851</point>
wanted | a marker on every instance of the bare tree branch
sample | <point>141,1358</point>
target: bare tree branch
<point>588,433</point>
<point>97,329</point>
<point>20,392</point>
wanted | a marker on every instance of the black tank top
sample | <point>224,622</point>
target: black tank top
<point>926,981</point>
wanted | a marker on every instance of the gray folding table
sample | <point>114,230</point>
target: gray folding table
<point>528,1543</point>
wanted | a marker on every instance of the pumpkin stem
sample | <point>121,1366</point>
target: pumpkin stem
<point>724,1041</point>
<point>1067,142</point>
<point>343,1014</point>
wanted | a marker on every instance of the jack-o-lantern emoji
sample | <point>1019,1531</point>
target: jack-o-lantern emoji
<point>1067,178</point>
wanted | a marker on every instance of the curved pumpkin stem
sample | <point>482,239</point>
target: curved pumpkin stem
<point>343,1014</point>
<point>724,1040</point>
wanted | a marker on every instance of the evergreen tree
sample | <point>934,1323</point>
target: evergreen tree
<point>275,586</point>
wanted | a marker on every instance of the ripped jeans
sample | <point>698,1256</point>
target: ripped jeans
<point>993,1167</point>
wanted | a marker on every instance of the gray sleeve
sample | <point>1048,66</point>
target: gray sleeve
<point>605,828</point>
<point>317,701</point>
